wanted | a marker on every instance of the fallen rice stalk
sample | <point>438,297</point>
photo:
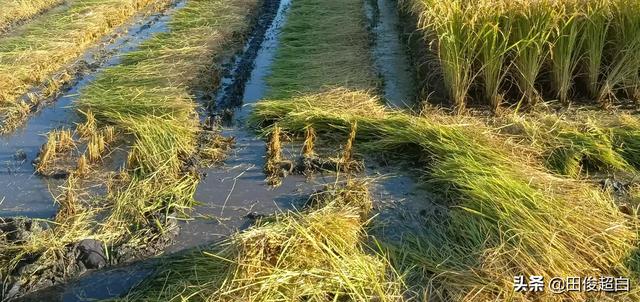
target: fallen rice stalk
<point>505,217</point>
<point>318,255</point>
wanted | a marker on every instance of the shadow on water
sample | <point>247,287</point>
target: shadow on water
<point>24,192</point>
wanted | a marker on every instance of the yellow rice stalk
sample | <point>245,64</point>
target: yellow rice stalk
<point>274,157</point>
<point>89,127</point>
<point>96,147</point>
<point>82,167</point>
<point>309,141</point>
<point>47,152</point>
<point>347,154</point>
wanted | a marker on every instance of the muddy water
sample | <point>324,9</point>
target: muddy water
<point>235,193</point>
<point>390,53</point>
<point>26,194</point>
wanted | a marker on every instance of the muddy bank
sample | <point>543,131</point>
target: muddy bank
<point>24,192</point>
<point>75,259</point>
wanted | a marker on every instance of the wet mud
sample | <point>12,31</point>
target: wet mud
<point>23,192</point>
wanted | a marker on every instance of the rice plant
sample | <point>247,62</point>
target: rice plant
<point>316,255</point>
<point>532,24</point>
<point>594,41</point>
<point>565,49</point>
<point>561,46</point>
<point>623,53</point>
<point>494,46</point>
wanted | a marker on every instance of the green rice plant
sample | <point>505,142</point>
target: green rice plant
<point>15,11</point>
<point>532,24</point>
<point>494,46</point>
<point>565,48</point>
<point>594,41</point>
<point>318,255</point>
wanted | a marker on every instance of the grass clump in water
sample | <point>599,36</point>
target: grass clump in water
<point>317,255</point>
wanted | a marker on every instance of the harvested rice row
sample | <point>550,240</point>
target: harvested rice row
<point>15,11</point>
<point>150,98</point>
<point>35,64</point>
<point>490,52</point>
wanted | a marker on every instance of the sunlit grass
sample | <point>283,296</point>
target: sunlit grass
<point>44,48</point>
<point>14,11</point>
<point>315,255</point>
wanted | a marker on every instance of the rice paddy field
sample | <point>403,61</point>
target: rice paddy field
<point>319,150</point>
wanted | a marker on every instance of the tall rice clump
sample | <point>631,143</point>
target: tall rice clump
<point>506,217</point>
<point>560,46</point>
<point>316,255</point>
<point>447,23</point>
